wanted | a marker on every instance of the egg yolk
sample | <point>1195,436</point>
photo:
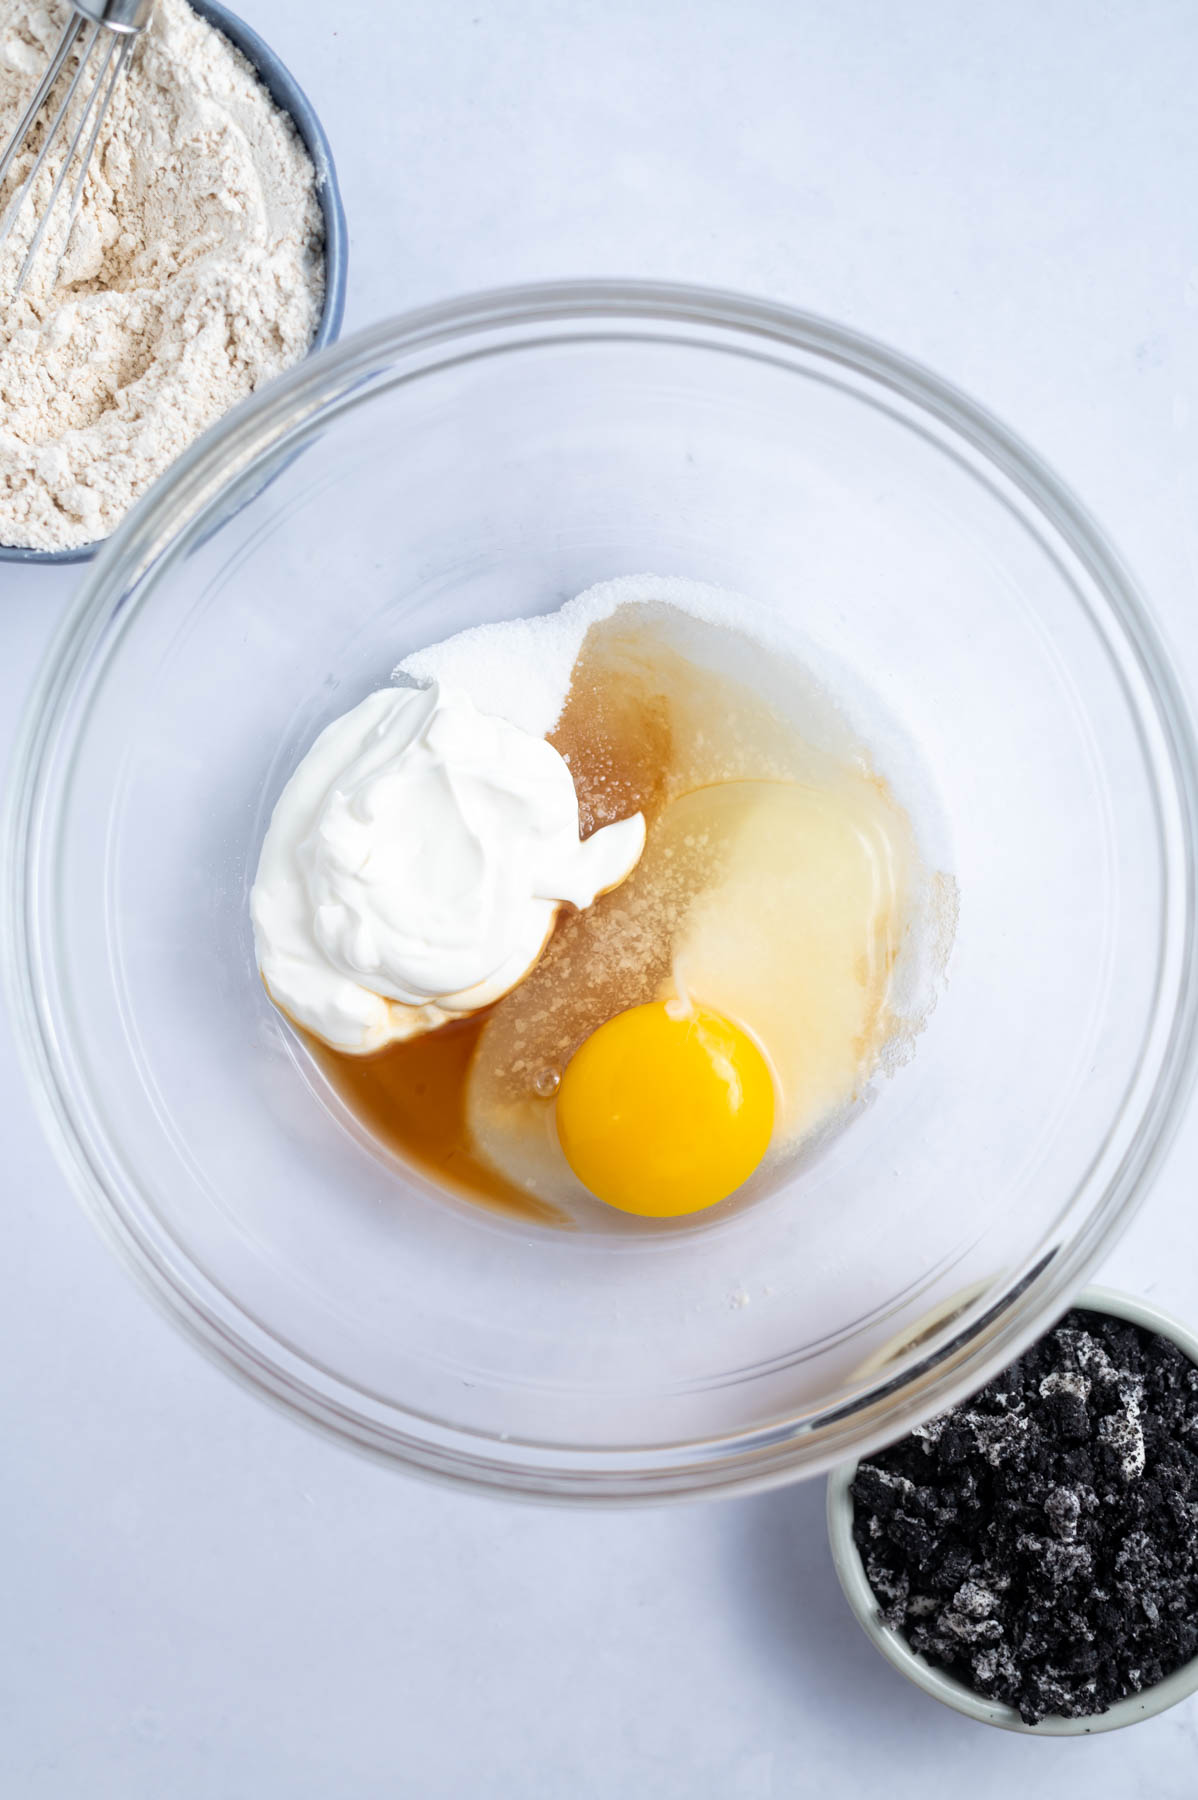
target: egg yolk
<point>662,1115</point>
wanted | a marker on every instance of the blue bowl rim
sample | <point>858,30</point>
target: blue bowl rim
<point>288,95</point>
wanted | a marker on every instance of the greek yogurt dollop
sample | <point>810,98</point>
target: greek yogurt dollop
<point>414,867</point>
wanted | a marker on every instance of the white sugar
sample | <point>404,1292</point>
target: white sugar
<point>521,668</point>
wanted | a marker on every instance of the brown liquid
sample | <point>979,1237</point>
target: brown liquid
<point>617,736</point>
<point>411,1097</point>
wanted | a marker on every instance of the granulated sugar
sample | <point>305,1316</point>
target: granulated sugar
<point>1041,1541</point>
<point>193,274</point>
<point>521,668</point>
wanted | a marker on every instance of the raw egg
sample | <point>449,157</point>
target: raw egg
<point>664,1111</point>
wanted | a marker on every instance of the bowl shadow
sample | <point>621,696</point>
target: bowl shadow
<point>798,1621</point>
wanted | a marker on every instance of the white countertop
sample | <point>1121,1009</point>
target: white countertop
<point>201,1601</point>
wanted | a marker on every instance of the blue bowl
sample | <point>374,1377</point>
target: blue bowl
<point>286,93</point>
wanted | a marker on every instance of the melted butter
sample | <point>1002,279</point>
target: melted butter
<point>796,938</point>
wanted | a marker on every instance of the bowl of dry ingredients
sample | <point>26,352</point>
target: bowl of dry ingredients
<point>207,256</point>
<point>1031,1557</point>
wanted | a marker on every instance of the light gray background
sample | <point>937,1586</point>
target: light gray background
<point>198,1600</point>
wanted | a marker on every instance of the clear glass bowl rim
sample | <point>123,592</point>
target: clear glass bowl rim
<point>965,1351</point>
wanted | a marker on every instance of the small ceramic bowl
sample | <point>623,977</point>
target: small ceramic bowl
<point>937,1682</point>
<point>286,93</point>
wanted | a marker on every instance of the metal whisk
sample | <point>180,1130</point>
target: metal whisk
<point>105,31</point>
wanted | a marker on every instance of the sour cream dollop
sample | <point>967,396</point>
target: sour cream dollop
<point>414,867</point>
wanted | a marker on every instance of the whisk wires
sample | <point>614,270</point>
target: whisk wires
<point>104,35</point>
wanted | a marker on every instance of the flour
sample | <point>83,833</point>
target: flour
<point>194,273</point>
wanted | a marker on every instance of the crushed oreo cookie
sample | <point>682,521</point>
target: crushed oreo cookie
<point>1040,1542</point>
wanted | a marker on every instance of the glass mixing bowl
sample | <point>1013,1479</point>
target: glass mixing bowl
<point>489,458</point>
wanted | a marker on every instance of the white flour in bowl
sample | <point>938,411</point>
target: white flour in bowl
<point>195,272</point>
